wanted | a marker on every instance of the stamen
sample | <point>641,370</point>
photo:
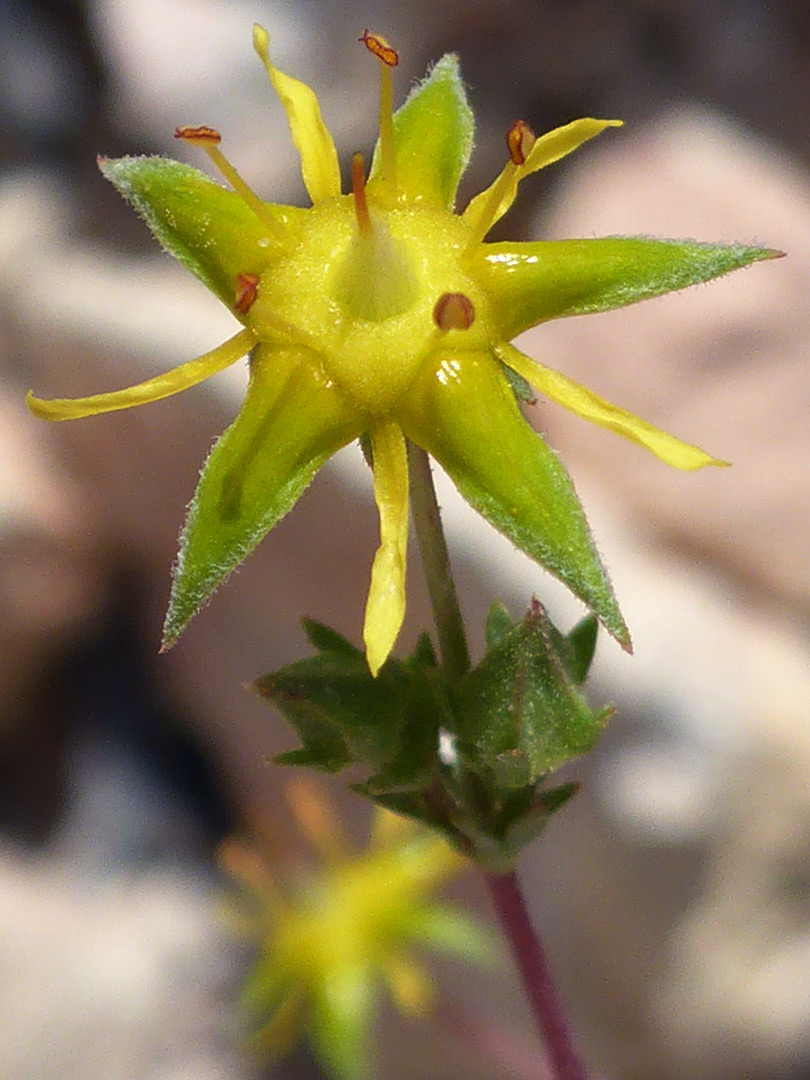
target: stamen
<point>359,192</point>
<point>519,141</point>
<point>389,58</point>
<point>454,311</point>
<point>246,287</point>
<point>208,139</point>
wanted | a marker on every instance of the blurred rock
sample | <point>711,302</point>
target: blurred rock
<point>116,977</point>
<point>698,813</point>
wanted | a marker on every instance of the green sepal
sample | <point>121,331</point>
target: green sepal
<point>341,1009</point>
<point>505,470</point>
<point>433,136</point>
<point>268,998</point>
<point>522,389</point>
<point>209,229</point>
<point>451,931</point>
<point>344,715</point>
<point>534,281</point>
<point>292,421</point>
<point>519,714</point>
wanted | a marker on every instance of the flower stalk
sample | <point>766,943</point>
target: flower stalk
<point>435,558</point>
<point>505,890</point>
<point>530,959</point>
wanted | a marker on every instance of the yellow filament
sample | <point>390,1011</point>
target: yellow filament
<point>388,168</point>
<point>242,189</point>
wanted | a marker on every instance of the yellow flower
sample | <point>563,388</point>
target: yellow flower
<point>328,938</point>
<point>384,314</point>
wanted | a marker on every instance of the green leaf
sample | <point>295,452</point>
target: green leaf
<point>505,470</point>
<point>292,420</point>
<point>209,229</point>
<point>344,715</point>
<point>326,640</point>
<point>519,714</point>
<point>582,642</point>
<point>531,282</point>
<point>498,624</point>
<point>340,712</point>
<point>433,134</point>
<point>527,826</point>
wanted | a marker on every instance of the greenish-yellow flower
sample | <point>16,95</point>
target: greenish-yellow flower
<point>384,313</point>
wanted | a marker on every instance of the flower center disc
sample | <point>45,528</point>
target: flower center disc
<point>364,301</point>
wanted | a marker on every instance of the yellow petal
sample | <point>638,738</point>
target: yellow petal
<point>385,609</point>
<point>480,215</point>
<point>563,140</point>
<point>319,160</point>
<point>582,401</point>
<point>410,984</point>
<point>172,382</point>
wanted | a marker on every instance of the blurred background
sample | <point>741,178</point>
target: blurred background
<point>674,893</point>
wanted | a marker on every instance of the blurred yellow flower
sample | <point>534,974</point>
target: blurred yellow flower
<point>328,938</point>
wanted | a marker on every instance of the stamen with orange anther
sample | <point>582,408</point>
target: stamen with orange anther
<point>208,139</point>
<point>359,193</point>
<point>389,58</point>
<point>454,311</point>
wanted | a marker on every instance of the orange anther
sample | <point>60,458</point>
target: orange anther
<point>519,140</point>
<point>454,311</point>
<point>198,136</point>
<point>380,47</point>
<point>246,286</point>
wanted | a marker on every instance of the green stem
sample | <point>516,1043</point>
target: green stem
<point>436,562</point>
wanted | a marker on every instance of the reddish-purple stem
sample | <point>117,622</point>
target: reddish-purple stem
<point>537,982</point>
